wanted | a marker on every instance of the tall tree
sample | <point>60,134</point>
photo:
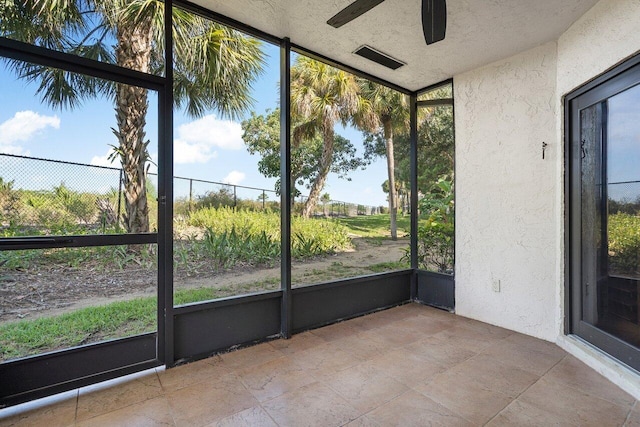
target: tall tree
<point>214,67</point>
<point>261,134</point>
<point>384,112</point>
<point>321,96</point>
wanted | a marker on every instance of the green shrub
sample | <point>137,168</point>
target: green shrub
<point>624,243</point>
<point>247,236</point>
<point>436,232</point>
<point>9,199</point>
<point>215,199</point>
<point>435,246</point>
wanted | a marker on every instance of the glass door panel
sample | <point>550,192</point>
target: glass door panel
<point>608,224</point>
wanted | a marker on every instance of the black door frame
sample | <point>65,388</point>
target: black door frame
<point>41,375</point>
<point>610,83</point>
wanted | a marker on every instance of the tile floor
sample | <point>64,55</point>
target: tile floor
<point>410,365</point>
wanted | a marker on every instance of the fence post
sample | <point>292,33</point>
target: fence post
<point>235,197</point>
<point>190,195</point>
<point>264,196</point>
<point>119,197</point>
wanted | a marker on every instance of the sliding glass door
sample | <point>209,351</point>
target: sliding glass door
<point>605,215</point>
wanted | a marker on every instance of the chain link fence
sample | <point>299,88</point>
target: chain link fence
<point>47,196</point>
<point>624,197</point>
<point>50,196</point>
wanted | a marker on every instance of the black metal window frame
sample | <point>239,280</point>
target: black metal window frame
<point>606,85</point>
<point>38,376</point>
<point>256,317</point>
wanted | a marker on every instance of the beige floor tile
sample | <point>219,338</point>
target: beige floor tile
<point>440,314</point>
<point>414,409</point>
<point>324,360</point>
<point>469,338</point>
<point>364,345</point>
<point>192,373</point>
<point>210,401</point>
<point>402,333</point>
<point>423,326</point>
<point>633,419</point>
<point>363,421</point>
<point>572,404</point>
<point>446,352</point>
<point>396,314</point>
<point>364,387</point>
<point>335,332</point>
<point>252,417</point>
<point>464,396</point>
<point>273,378</point>
<point>110,396</point>
<point>298,342</point>
<point>535,344</point>
<point>255,355</point>
<point>537,360</point>
<point>525,415</point>
<point>486,329</point>
<point>414,308</point>
<point>313,405</point>
<point>495,375</point>
<point>369,322</point>
<point>53,411</point>
<point>573,373</point>
<point>406,367</point>
<point>153,412</point>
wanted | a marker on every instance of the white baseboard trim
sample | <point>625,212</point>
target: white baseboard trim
<point>618,373</point>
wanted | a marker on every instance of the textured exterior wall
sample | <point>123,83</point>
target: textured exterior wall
<point>510,203</point>
<point>506,195</point>
<point>605,36</point>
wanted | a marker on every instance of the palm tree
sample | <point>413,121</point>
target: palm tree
<point>384,111</point>
<point>321,96</point>
<point>214,67</point>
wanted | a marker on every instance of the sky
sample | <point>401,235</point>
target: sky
<point>208,148</point>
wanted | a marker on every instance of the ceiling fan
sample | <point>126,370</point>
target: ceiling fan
<point>434,17</point>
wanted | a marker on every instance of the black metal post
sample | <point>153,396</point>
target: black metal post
<point>235,197</point>
<point>119,199</point>
<point>190,195</point>
<point>285,178</point>
<point>413,157</point>
<point>264,197</point>
<point>165,191</point>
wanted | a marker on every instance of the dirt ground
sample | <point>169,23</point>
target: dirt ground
<point>46,292</point>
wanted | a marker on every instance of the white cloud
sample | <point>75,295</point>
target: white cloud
<point>185,152</point>
<point>196,141</point>
<point>104,160</point>
<point>21,127</point>
<point>234,178</point>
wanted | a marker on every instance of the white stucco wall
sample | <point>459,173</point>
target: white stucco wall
<point>510,213</point>
<point>505,192</point>
<point>605,36</point>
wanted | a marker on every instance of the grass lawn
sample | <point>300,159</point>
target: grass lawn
<point>136,316</point>
<point>376,225</point>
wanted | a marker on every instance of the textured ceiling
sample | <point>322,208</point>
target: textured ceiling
<point>478,31</point>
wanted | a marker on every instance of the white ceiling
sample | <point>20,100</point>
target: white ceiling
<point>478,31</point>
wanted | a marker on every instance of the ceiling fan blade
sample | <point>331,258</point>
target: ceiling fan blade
<point>434,20</point>
<point>352,11</point>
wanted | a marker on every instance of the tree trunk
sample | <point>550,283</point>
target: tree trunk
<point>323,172</point>
<point>391,170</point>
<point>133,52</point>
